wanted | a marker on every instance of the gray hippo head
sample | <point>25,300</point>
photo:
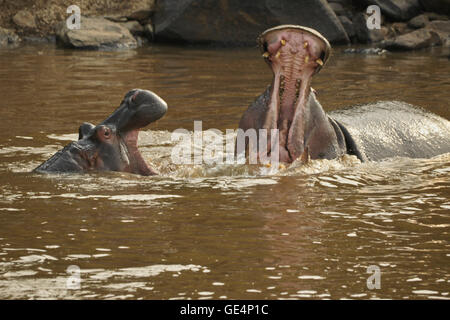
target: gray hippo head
<point>111,145</point>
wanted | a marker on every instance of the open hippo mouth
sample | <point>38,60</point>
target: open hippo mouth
<point>111,145</point>
<point>295,54</point>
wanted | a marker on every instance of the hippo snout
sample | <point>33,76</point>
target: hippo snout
<point>152,107</point>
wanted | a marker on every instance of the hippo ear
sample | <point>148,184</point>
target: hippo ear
<point>84,130</point>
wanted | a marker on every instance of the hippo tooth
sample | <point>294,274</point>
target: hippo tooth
<point>305,157</point>
<point>305,44</point>
<point>278,54</point>
<point>268,165</point>
<point>306,59</point>
<point>283,42</point>
<point>265,55</point>
<point>124,154</point>
<point>281,166</point>
<point>319,62</point>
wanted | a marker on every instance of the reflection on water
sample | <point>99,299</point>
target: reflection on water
<point>228,231</point>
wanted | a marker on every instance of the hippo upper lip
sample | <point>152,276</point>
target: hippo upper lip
<point>139,109</point>
<point>142,108</point>
<point>327,53</point>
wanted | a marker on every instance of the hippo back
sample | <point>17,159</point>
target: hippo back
<point>387,129</point>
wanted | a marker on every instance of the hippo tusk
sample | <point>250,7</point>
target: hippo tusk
<point>305,157</point>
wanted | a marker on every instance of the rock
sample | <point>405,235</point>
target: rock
<point>141,15</point>
<point>48,13</point>
<point>139,10</point>
<point>25,20</point>
<point>116,18</point>
<point>418,39</point>
<point>337,8</point>
<point>418,22</point>
<point>134,27</point>
<point>440,6</point>
<point>235,22</point>
<point>141,41</point>
<point>364,34</point>
<point>366,51</point>
<point>149,31</point>
<point>39,39</point>
<point>435,16</point>
<point>442,28</point>
<point>396,9</point>
<point>96,33</point>
<point>399,28</point>
<point>348,26</point>
<point>8,38</point>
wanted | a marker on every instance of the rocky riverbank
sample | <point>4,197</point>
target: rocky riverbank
<point>110,24</point>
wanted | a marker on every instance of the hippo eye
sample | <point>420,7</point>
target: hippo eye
<point>107,132</point>
<point>265,46</point>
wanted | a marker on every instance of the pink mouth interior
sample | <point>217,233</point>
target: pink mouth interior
<point>294,55</point>
<point>137,163</point>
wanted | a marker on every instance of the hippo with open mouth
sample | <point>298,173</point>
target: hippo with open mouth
<point>111,145</point>
<point>371,132</point>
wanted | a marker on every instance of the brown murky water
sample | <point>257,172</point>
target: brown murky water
<point>214,231</point>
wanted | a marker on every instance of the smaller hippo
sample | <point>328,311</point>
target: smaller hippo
<point>111,145</point>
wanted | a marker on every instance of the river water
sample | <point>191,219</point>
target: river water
<point>206,231</point>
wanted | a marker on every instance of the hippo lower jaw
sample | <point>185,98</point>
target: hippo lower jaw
<point>137,164</point>
<point>294,54</point>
